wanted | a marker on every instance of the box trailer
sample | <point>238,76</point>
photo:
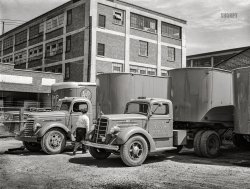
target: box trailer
<point>112,91</point>
<point>241,86</point>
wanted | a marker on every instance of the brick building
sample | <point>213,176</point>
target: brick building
<point>211,59</point>
<point>241,59</point>
<point>23,88</point>
<point>82,38</point>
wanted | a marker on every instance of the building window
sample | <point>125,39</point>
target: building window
<point>36,31</point>
<point>164,73</point>
<point>118,17</point>
<point>54,69</point>
<point>102,21</point>
<point>8,43</point>
<point>142,70</point>
<point>101,49</point>
<point>20,58</point>
<point>54,23</point>
<point>151,71</point>
<point>117,68</point>
<point>143,49</point>
<point>143,23</point>
<point>54,48</point>
<point>170,30</point>
<point>36,53</point>
<point>8,59</point>
<point>21,37</point>
<point>67,71</point>
<point>69,17</point>
<point>68,43</point>
<point>171,54</point>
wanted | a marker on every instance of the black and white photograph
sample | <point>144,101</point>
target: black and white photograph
<point>124,94</point>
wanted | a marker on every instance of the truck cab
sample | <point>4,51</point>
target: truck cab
<point>50,130</point>
<point>146,126</point>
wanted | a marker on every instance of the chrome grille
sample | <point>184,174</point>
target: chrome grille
<point>100,130</point>
<point>28,130</point>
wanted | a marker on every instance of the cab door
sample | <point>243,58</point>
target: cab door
<point>76,112</point>
<point>160,124</point>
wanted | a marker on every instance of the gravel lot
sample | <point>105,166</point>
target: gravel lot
<point>22,169</point>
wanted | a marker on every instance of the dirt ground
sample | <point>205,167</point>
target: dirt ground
<point>23,169</point>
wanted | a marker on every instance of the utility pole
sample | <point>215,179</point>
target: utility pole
<point>2,27</point>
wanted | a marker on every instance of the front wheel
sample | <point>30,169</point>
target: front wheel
<point>53,142</point>
<point>32,146</point>
<point>134,151</point>
<point>99,153</point>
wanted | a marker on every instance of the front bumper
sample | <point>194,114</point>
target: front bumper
<point>26,138</point>
<point>102,146</point>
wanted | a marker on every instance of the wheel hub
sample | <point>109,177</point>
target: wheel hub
<point>135,150</point>
<point>55,140</point>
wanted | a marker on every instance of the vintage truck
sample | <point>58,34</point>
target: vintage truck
<point>49,131</point>
<point>198,115</point>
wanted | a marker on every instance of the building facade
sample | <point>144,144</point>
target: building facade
<point>211,59</point>
<point>82,38</point>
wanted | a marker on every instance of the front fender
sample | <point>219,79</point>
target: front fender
<point>49,126</point>
<point>125,134</point>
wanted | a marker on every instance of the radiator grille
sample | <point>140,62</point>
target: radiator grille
<point>100,130</point>
<point>28,131</point>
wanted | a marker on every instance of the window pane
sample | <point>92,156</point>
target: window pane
<point>102,20</point>
<point>160,110</point>
<point>101,49</point>
<point>170,30</point>
<point>143,51</point>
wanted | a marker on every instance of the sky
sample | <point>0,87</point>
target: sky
<point>207,28</point>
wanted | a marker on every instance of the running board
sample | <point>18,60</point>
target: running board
<point>164,149</point>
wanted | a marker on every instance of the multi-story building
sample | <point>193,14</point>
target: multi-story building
<point>211,59</point>
<point>82,38</point>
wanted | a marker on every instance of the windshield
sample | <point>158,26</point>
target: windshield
<point>137,108</point>
<point>63,105</point>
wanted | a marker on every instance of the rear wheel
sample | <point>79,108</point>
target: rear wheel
<point>197,143</point>
<point>134,151</point>
<point>32,146</point>
<point>210,144</point>
<point>53,142</point>
<point>99,153</point>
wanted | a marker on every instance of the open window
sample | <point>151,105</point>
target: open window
<point>160,109</point>
<point>78,106</point>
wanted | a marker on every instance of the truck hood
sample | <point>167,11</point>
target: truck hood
<point>48,114</point>
<point>125,117</point>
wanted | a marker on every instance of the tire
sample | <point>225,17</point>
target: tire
<point>197,143</point>
<point>32,146</point>
<point>240,142</point>
<point>98,153</point>
<point>53,142</point>
<point>134,151</point>
<point>210,144</point>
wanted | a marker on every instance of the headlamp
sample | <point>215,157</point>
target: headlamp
<point>115,130</point>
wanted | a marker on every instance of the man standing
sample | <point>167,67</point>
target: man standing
<point>82,128</point>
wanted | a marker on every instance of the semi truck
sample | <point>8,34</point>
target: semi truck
<point>194,108</point>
